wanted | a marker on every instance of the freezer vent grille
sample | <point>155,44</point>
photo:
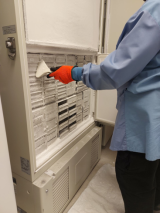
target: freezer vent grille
<point>94,151</point>
<point>61,192</point>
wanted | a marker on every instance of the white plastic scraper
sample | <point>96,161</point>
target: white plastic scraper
<point>42,69</point>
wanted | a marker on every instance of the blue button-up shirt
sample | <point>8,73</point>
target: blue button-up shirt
<point>134,70</point>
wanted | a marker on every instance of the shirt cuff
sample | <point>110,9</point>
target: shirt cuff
<point>77,73</point>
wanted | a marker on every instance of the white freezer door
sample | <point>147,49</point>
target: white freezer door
<point>105,102</point>
<point>67,24</point>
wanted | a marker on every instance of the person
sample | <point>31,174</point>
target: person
<point>134,70</point>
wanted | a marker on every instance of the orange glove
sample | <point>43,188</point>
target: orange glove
<point>63,74</point>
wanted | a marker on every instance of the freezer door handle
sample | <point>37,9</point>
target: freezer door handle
<point>11,46</point>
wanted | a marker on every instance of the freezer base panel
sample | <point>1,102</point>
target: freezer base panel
<point>55,188</point>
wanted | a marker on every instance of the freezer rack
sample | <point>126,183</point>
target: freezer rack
<point>57,108</point>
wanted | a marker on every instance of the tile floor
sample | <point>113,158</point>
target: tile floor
<point>107,156</point>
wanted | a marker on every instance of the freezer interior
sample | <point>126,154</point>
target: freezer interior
<point>58,110</point>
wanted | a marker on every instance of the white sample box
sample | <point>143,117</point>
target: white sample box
<point>36,86</point>
<point>50,99</point>
<point>51,136</point>
<point>36,104</point>
<point>33,58</point>
<point>39,131</point>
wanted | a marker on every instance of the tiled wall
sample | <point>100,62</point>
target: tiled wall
<point>57,108</point>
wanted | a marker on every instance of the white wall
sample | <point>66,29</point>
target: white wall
<point>120,12</point>
<point>7,197</point>
<point>72,23</point>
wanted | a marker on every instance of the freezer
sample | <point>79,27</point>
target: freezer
<point>54,131</point>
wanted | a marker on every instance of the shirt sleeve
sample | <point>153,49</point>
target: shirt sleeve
<point>135,51</point>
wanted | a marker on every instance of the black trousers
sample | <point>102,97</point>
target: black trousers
<point>139,182</point>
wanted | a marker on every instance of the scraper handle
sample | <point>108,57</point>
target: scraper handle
<point>53,69</point>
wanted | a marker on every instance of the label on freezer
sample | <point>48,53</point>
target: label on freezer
<point>25,165</point>
<point>9,29</point>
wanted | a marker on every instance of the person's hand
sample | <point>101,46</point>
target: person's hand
<point>63,74</point>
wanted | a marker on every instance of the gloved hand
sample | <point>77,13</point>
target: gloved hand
<point>66,74</point>
<point>63,74</point>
